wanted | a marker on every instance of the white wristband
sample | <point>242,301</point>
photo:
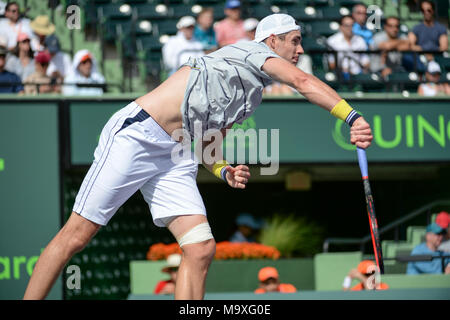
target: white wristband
<point>347,282</point>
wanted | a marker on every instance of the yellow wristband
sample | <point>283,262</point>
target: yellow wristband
<point>341,110</point>
<point>217,168</point>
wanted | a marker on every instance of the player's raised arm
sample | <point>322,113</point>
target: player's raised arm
<point>319,93</point>
<point>313,89</point>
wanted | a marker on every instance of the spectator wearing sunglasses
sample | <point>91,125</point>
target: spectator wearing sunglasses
<point>428,35</point>
<point>13,25</point>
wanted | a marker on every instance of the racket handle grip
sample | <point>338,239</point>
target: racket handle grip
<point>362,159</point>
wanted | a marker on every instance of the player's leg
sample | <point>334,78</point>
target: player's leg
<point>115,175</point>
<point>72,238</point>
<point>197,255</point>
<point>175,202</point>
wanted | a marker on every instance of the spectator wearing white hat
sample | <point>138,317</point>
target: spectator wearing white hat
<point>181,46</point>
<point>432,87</point>
<point>168,286</point>
<point>83,72</point>
<point>250,25</point>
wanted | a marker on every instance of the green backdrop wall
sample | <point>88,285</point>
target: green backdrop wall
<point>29,192</point>
<point>47,144</point>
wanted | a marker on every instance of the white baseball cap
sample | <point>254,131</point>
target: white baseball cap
<point>250,24</point>
<point>277,23</point>
<point>186,21</point>
<point>173,261</point>
<point>433,67</point>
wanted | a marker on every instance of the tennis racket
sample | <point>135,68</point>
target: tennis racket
<point>362,159</point>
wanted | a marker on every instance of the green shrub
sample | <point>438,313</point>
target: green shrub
<point>292,236</point>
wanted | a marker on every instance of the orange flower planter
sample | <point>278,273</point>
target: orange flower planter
<point>224,250</point>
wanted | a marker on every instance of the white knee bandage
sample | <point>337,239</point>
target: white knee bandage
<point>199,233</point>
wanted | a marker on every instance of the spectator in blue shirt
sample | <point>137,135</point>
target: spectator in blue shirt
<point>359,14</point>
<point>204,31</point>
<point>428,35</point>
<point>433,239</point>
<point>247,228</point>
<point>9,82</point>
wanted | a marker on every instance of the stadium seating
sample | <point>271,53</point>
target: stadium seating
<point>180,10</point>
<point>322,28</point>
<point>150,11</point>
<point>313,44</point>
<point>329,78</point>
<point>333,13</point>
<point>260,11</point>
<point>302,13</point>
<point>444,63</point>
<point>318,18</point>
<point>114,12</point>
<point>369,82</point>
<point>399,81</point>
<point>167,26</point>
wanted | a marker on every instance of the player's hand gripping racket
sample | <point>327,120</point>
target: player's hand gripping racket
<point>362,159</point>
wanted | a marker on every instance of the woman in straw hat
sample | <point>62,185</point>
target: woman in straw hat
<point>42,27</point>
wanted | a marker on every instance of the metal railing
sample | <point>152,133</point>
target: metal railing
<point>395,225</point>
<point>422,258</point>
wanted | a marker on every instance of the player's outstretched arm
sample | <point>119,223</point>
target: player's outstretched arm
<point>316,91</point>
<point>319,93</point>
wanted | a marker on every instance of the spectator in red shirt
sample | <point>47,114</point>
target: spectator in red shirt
<point>168,286</point>
<point>231,29</point>
<point>269,282</point>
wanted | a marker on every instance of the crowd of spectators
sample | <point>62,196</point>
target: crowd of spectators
<point>353,50</point>
<point>394,52</point>
<point>356,49</point>
<point>32,61</point>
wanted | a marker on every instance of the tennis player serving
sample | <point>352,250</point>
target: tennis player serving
<point>134,150</point>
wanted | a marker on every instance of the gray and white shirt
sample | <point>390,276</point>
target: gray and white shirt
<point>393,59</point>
<point>225,86</point>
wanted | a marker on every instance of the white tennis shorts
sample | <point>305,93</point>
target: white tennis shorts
<point>134,153</point>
